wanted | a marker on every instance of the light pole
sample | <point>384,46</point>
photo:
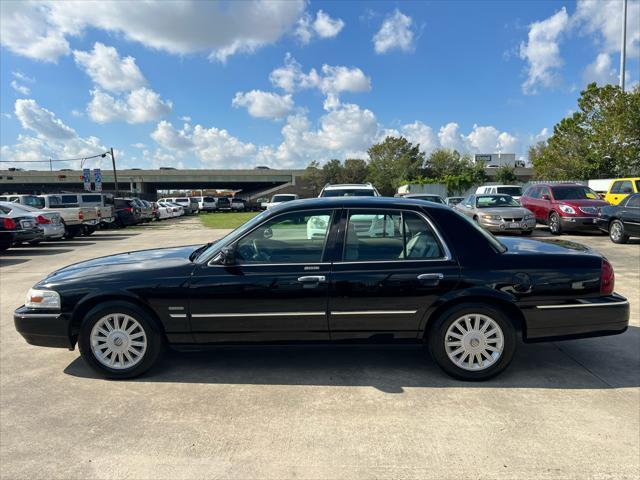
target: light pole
<point>113,163</point>
<point>623,47</point>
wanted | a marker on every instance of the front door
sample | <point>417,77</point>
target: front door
<point>630,215</point>
<point>276,290</point>
<point>393,267</point>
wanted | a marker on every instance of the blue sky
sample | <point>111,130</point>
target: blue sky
<point>239,84</point>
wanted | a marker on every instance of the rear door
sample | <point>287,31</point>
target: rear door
<point>392,266</point>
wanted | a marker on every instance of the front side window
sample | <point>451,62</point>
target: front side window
<point>386,236</point>
<point>33,201</point>
<point>634,201</point>
<point>296,237</point>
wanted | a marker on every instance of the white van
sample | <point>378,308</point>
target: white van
<point>514,190</point>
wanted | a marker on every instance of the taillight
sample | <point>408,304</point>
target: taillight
<point>129,210</point>
<point>42,220</point>
<point>80,216</point>
<point>99,213</point>
<point>607,278</point>
<point>8,224</point>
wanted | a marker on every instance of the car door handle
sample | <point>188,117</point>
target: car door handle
<point>313,279</point>
<point>430,278</point>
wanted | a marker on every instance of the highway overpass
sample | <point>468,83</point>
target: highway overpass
<point>251,183</point>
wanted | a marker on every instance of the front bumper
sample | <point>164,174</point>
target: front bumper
<point>577,319</point>
<point>42,328</point>
<point>579,223</point>
<point>503,226</point>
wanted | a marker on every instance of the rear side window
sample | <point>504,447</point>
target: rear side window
<point>55,201</point>
<point>92,198</point>
<point>69,199</point>
<point>624,186</point>
<point>389,236</point>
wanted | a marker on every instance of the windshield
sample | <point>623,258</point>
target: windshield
<point>429,198</point>
<point>282,198</point>
<point>574,192</point>
<point>231,237</point>
<point>349,192</point>
<point>493,201</point>
<point>515,191</point>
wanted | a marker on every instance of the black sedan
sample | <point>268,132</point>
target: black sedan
<point>344,269</point>
<point>621,221</point>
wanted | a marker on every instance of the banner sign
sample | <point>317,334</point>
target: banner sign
<point>86,179</point>
<point>97,178</point>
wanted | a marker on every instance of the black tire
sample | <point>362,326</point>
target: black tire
<point>88,230</point>
<point>438,330</point>
<point>554,224</point>
<point>617,232</point>
<point>154,335</point>
<point>527,233</point>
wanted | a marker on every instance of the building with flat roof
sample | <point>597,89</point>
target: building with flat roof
<point>498,159</point>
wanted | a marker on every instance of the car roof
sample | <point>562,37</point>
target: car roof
<point>336,186</point>
<point>415,195</point>
<point>355,202</point>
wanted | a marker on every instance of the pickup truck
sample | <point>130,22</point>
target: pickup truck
<point>77,220</point>
<point>97,201</point>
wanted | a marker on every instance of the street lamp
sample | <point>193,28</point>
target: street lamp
<point>113,163</point>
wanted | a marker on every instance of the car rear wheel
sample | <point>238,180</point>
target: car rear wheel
<point>617,233</point>
<point>120,340</point>
<point>554,224</point>
<point>472,341</point>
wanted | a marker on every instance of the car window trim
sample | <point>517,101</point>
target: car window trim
<point>216,255</point>
<point>445,248</point>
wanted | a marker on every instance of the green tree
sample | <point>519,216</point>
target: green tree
<point>601,139</point>
<point>442,161</point>
<point>332,172</point>
<point>313,176</point>
<point>506,175</point>
<point>355,170</point>
<point>393,161</point>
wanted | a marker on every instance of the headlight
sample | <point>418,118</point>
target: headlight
<point>567,209</point>
<point>491,217</point>
<point>318,222</point>
<point>46,299</point>
<point>528,216</point>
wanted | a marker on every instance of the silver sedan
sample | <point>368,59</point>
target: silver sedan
<point>498,213</point>
<point>50,222</point>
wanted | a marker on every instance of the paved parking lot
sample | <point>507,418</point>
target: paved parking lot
<point>562,410</point>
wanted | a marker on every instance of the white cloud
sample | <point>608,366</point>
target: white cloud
<point>185,118</point>
<point>27,29</point>
<point>264,104</point>
<point>23,78</point>
<point>139,145</point>
<point>481,139</point>
<point>542,51</point>
<point>331,80</point>
<point>601,71</point>
<point>38,29</point>
<point>396,33</point>
<point>52,139</point>
<point>139,106</point>
<point>418,132</point>
<point>76,113</point>
<point>22,89</point>
<point>40,120</point>
<point>108,70</point>
<point>323,26</point>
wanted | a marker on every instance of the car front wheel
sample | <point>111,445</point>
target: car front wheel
<point>617,233</point>
<point>554,224</point>
<point>472,341</point>
<point>120,340</point>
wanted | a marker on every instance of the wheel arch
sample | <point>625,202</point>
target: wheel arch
<point>512,312</point>
<point>86,304</point>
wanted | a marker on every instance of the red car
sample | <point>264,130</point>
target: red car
<point>563,206</point>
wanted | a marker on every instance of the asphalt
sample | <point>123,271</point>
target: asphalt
<point>561,410</point>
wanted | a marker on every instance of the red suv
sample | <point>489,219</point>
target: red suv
<point>563,206</point>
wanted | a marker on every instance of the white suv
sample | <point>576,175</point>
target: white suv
<point>349,190</point>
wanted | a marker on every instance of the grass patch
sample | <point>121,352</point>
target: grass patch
<point>225,220</point>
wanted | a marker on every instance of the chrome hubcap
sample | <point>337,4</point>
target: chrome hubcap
<point>474,342</point>
<point>118,341</point>
<point>616,231</point>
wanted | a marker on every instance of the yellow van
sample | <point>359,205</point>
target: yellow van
<point>620,188</point>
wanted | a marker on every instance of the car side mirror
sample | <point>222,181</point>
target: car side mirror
<point>228,255</point>
<point>546,197</point>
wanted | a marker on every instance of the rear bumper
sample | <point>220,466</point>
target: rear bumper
<point>45,329</point>
<point>581,318</point>
<point>29,235</point>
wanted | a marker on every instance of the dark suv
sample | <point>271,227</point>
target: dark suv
<point>127,211</point>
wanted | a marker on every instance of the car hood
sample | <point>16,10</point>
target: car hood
<point>125,262</point>
<point>508,212</point>
<point>525,246</point>
<point>584,203</point>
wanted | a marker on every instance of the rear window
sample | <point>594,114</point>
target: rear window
<point>208,199</point>
<point>514,191</point>
<point>224,200</point>
<point>349,192</point>
<point>184,200</point>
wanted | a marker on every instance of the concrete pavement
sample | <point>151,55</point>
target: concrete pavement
<point>562,410</point>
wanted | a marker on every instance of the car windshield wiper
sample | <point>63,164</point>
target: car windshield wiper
<point>199,250</point>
